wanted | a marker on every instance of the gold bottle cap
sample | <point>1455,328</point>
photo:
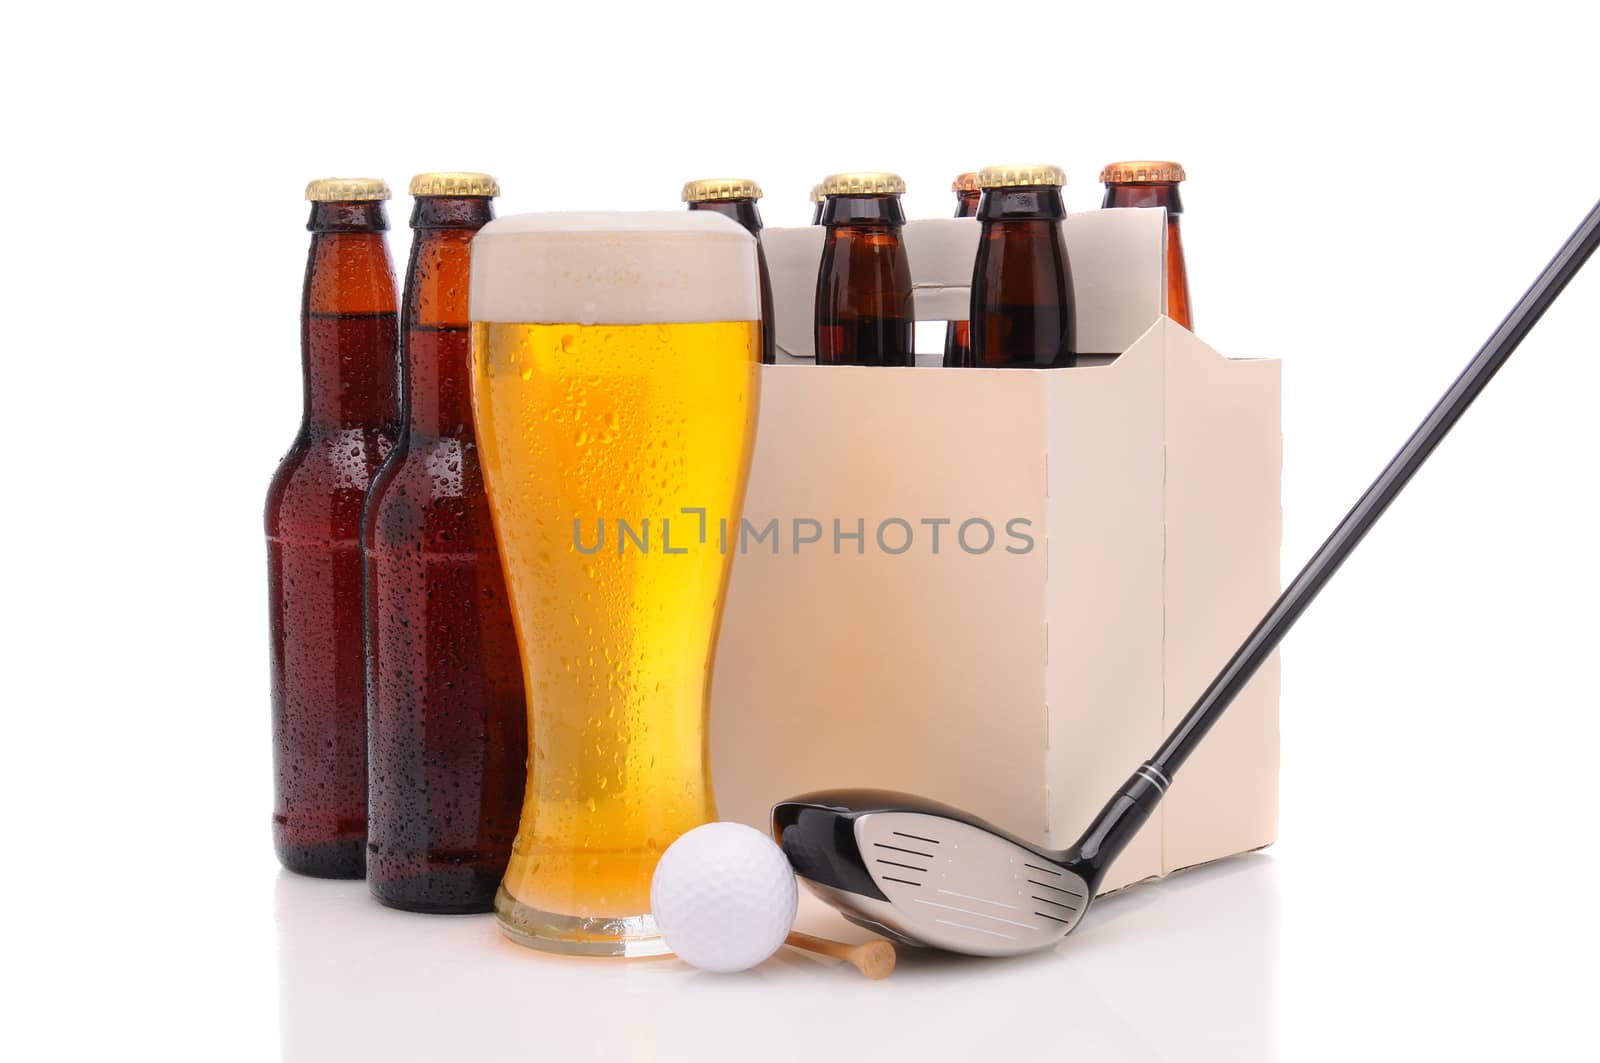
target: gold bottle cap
<point>965,182</point>
<point>1142,172</point>
<point>717,189</point>
<point>454,183</point>
<point>1030,176</point>
<point>864,183</point>
<point>816,194</point>
<point>347,189</point>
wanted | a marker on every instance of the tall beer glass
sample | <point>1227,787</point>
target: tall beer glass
<point>614,390</point>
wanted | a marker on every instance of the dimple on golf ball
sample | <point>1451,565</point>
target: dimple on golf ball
<point>723,897</point>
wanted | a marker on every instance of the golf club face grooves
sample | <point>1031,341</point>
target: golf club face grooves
<point>927,874</point>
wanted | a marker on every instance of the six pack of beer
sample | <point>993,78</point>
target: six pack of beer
<point>608,526</point>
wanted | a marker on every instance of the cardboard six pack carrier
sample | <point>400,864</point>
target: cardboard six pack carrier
<point>1001,588</point>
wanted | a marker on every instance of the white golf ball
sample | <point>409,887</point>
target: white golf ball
<point>723,897</point>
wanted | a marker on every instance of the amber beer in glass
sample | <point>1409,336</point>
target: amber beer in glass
<point>957,334</point>
<point>864,314</point>
<point>348,340</point>
<point>447,734</point>
<point>1022,312</point>
<point>735,197</point>
<point>615,362</point>
<point>1154,183</point>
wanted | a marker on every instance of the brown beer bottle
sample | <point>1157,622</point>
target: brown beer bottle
<point>957,334</point>
<point>1150,183</point>
<point>1022,312</point>
<point>447,727</point>
<point>348,334</point>
<point>817,199</point>
<point>735,197</point>
<point>864,314</point>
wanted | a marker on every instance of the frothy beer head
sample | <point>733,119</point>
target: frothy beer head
<point>614,268</point>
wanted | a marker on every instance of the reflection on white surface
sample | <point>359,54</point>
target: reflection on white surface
<point>1178,969</point>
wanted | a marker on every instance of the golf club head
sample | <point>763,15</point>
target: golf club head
<point>923,873</point>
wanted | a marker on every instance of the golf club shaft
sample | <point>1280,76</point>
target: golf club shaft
<point>1127,811</point>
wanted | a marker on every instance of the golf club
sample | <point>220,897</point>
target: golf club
<point>926,874</point>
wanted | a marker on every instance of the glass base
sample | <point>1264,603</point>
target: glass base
<point>571,935</point>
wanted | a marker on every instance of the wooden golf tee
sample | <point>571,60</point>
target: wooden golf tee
<point>875,959</point>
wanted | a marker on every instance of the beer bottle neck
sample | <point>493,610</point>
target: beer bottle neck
<point>1145,195</point>
<point>355,217</point>
<point>348,319</point>
<point>452,212</point>
<point>438,336</point>
<point>1177,277</point>
<point>743,211</point>
<point>967,203</point>
<point>1162,194</point>
<point>863,212</point>
<point>1022,204</point>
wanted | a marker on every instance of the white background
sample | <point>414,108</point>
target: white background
<point>1372,185</point>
